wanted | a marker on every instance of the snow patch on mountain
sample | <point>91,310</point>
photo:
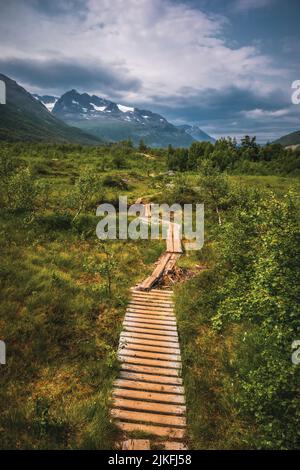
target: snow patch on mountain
<point>98,108</point>
<point>50,106</point>
<point>125,109</point>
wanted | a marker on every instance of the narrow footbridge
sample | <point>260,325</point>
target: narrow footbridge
<point>148,395</point>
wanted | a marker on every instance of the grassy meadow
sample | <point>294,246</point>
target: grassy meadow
<point>64,293</point>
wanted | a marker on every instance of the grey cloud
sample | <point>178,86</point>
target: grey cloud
<point>220,112</point>
<point>216,104</point>
<point>62,74</point>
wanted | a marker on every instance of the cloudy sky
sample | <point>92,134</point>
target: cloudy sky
<point>226,65</point>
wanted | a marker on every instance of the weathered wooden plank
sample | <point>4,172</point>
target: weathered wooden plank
<point>145,304</point>
<point>158,295</point>
<point>147,298</point>
<point>152,326</point>
<point>154,387</point>
<point>149,281</point>
<point>140,316</point>
<point>169,240</point>
<point>156,290</point>
<point>147,347</point>
<point>177,239</point>
<point>151,355</point>
<point>137,368</point>
<point>149,396</point>
<point>150,337</point>
<point>149,321</point>
<point>143,295</point>
<point>152,301</point>
<point>152,318</point>
<point>162,333</point>
<point>147,311</point>
<point>173,445</point>
<point>149,406</point>
<point>171,263</point>
<point>150,378</point>
<point>155,418</point>
<point>136,444</point>
<point>150,362</point>
<point>163,431</point>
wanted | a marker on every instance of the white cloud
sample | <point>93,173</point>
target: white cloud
<point>168,46</point>
<point>263,113</point>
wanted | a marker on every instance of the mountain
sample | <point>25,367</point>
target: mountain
<point>25,118</point>
<point>113,122</point>
<point>290,139</point>
<point>196,133</point>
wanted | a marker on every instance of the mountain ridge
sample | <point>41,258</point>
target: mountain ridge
<point>293,138</point>
<point>24,118</point>
<point>112,121</point>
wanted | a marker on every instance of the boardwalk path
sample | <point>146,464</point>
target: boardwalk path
<point>149,394</point>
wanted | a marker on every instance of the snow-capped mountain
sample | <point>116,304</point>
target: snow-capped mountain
<point>73,105</point>
<point>114,121</point>
<point>25,119</point>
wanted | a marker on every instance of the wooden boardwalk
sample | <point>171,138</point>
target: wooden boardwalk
<point>148,395</point>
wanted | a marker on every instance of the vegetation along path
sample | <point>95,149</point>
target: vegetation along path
<point>149,393</point>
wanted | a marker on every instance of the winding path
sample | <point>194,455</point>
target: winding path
<point>148,395</point>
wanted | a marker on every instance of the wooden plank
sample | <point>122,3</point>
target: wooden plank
<point>151,378</point>
<point>145,343</point>
<point>171,263</point>
<point>166,339</point>
<point>173,445</point>
<point>149,396</point>
<point>176,239</point>
<point>149,406</point>
<point>169,240</point>
<point>154,387</point>
<point>163,431</point>
<point>152,326</point>
<point>150,311</point>
<point>150,321</point>
<point>155,291</point>
<point>144,328</point>
<point>155,418</point>
<point>153,308</point>
<point>151,318</point>
<point>149,281</point>
<point>127,367</point>
<point>147,311</point>
<point>147,347</point>
<point>147,210</point>
<point>136,444</point>
<point>152,300</point>
<point>149,303</point>
<point>151,355</point>
<point>162,333</point>
<point>150,362</point>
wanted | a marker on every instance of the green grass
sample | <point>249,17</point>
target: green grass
<point>61,326</point>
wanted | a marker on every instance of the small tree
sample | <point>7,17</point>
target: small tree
<point>108,267</point>
<point>21,190</point>
<point>86,188</point>
<point>142,146</point>
<point>214,186</point>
